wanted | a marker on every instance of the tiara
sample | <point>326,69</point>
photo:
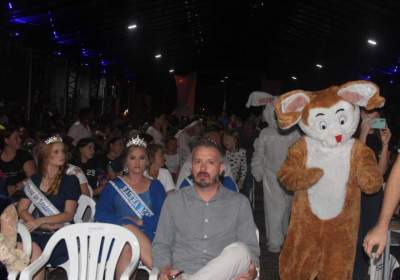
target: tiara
<point>136,142</point>
<point>53,139</point>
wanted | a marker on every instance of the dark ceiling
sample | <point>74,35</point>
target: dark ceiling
<point>278,39</point>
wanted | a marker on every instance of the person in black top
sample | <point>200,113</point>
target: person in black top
<point>84,159</point>
<point>110,163</point>
<point>61,190</point>
<point>15,163</point>
<point>378,141</point>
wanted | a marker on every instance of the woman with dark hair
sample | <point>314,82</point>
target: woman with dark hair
<point>133,201</point>
<point>15,163</point>
<point>54,195</point>
<point>110,163</point>
<point>85,160</point>
<point>158,128</point>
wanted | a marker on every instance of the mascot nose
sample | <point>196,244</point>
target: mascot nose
<point>338,138</point>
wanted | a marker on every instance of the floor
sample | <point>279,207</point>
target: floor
<point>268,261</point>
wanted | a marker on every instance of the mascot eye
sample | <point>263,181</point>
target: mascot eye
<point>342,120</point>
<point>323,125</point>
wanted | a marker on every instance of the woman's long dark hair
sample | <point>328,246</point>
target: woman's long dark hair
<point>5,133</point>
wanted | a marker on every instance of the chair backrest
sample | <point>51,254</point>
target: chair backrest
<point>93,250</point>
<point>90,190</point>
<point>26,239</point>
<point>86,210</point>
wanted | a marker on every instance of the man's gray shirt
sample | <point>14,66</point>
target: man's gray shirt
<point>192,232</point>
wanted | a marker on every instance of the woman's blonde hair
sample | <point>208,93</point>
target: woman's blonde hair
<point>44,152</point>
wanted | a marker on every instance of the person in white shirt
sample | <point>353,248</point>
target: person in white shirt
<point>158,129</point>
<point>80,129</point>
<point>156,170</point>
<point>172,158</point>
<point>184,137</point>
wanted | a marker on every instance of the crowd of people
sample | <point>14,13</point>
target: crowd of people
<point>121,167</point>
<point>179,184</point>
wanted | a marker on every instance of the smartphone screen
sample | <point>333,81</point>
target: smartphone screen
<point>378,123</point>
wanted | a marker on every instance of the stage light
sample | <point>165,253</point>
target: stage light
<point>133,26</point>
<point>158,56</point>
<point>294,78</point>
<point>372,42</point>
<point>226,77</point>
<point>222,81</point>
<point>171,70</point>
<point>318,65</point>
<point>10,6</point>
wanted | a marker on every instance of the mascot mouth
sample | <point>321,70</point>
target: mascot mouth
<point>338,138</point>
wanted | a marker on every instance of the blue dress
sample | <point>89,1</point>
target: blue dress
<point>111,208</point>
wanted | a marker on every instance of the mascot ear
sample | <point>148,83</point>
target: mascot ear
<point>289,107</point>
<point>362,93</point>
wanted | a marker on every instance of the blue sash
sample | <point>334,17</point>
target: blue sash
<point>131,198</point>
<point>39,199</point>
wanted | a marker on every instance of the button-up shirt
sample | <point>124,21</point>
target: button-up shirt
<point>191,232</point>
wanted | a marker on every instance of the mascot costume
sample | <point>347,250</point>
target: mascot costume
<point>270,150</point>
<point>327,170</point>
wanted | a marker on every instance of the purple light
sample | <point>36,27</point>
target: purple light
<point>366,77</point>
<point>19,20</point>
<point>10,6</point>
<point>391,81</point>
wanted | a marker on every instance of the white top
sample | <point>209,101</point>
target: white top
<point>156,134</point>
<point>172,162</point>
<point>77,131</point>
<point>165,179</point>
<point>183,140</point>
<point>238,162</point>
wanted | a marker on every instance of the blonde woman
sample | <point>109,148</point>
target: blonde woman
<point>54,195</point>
<point>133,201</point>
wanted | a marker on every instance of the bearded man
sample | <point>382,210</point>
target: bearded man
<point>205,230</point>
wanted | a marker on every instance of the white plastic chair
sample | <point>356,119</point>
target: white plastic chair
<point>85,203</point>
<point>90,190</point>
<point>83,243</point>
<point>26,239</point>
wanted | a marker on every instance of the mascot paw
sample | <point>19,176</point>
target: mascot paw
<point>313,175</point>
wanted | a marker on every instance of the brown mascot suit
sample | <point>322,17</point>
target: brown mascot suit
<point>326,169</point>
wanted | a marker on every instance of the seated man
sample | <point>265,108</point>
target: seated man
<point>206,230</point>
